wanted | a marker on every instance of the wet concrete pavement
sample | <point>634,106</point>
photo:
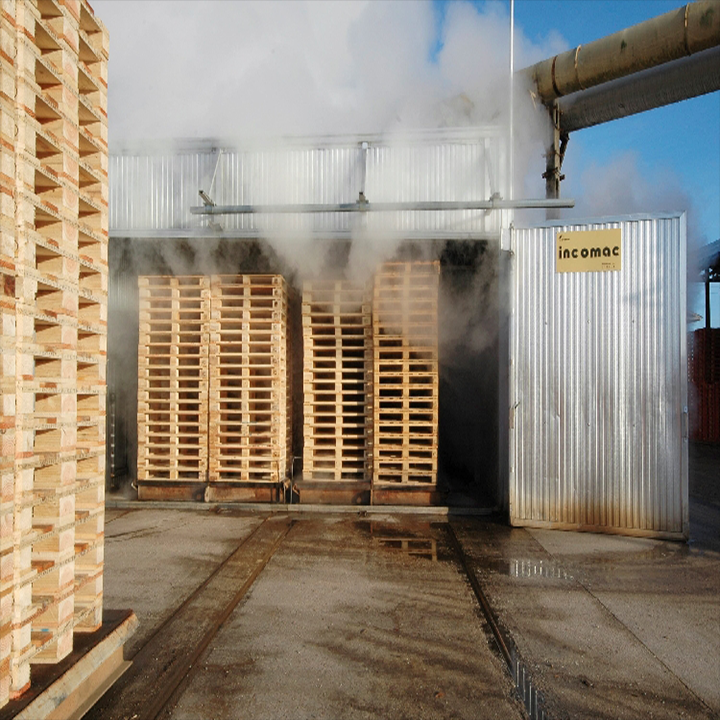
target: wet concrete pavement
<point>155,558</point>
<point>344,623</point>
<point>361,615</point>
<point>609,627</point>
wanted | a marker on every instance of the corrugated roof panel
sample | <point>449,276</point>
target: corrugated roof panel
<point>152,190</point>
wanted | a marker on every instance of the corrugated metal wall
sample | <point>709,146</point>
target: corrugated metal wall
<point>153,188</point>
<point>598,384</point>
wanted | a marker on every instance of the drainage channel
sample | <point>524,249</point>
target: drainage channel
<point>169,658</point>
<point>531,697</point>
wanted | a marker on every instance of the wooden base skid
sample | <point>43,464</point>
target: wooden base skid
<point>244,492</point>
<point>414,496</point>
<point>69,688</point>
<point>221,491</point>
<point>317,492</point>
<point>172,490</point>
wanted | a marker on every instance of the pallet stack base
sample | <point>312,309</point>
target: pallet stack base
<point>349,492</point>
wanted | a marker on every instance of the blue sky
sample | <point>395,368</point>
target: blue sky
<point>682,139</point>
<point>678,144</point>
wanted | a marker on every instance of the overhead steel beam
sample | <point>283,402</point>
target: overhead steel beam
<point>671,82</point>
<point>363,207</point>
<point>676,34</point>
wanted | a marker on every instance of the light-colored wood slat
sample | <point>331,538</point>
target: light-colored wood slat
<point>337,373</point>
<point>405,367</point>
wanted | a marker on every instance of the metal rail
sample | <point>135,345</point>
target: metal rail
<point>531,697</point>
<point>364,206</point>
<point>168,657</point>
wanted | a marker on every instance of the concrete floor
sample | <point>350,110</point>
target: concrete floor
<point>364,615</point>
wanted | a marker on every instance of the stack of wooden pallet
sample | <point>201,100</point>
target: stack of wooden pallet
<point>53,208</point>
<point>250,382</point>
<point>8,555</point>
<point>214,388</point>
<point>704,376</point>
<point>405,375</point>
<point>337,387</point>
<point>173,379</point>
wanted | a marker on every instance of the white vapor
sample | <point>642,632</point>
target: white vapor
<point>245,69</point>
<point>269,69</point>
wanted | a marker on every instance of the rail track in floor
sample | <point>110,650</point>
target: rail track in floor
<point>164,665</point>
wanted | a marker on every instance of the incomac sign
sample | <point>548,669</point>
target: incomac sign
<point>589,250</point>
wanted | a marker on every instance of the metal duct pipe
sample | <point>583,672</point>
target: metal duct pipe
<point>492,204</point>
<point>685,31</point>
<point>668,83</point>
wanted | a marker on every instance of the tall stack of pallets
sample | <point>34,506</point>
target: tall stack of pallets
<point>53,260</point>
<point>704,377</point>
<point>405,382</point>
<point>250,418</point>
<point>337,381</point>
<point>214,387</point>
<point>173,385</point>
<point>215,402</point>
<point>370,387</point>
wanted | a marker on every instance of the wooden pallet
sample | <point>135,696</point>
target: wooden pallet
<point>405,367</point>
<point>337,374</point>
<point>173,378</point>
<point>250,411</point>
<point>55,285</point>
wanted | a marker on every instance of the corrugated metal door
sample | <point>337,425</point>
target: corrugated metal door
<point>598,383</point>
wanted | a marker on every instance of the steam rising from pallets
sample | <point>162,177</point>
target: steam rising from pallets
<point>405,357</point>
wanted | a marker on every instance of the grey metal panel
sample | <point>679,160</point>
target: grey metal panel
<point>151,189</point>
<point>598,384</point>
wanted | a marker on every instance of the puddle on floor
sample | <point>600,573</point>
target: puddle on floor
<point>536,568</point>
<point>413,546</point>
<point>424,540</point>
<point>524,568</point>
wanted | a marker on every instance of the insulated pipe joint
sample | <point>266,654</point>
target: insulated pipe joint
<point>676,34</point>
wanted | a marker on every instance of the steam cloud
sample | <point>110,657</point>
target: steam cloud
<point>250,71</point>
<point>257,70</point>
